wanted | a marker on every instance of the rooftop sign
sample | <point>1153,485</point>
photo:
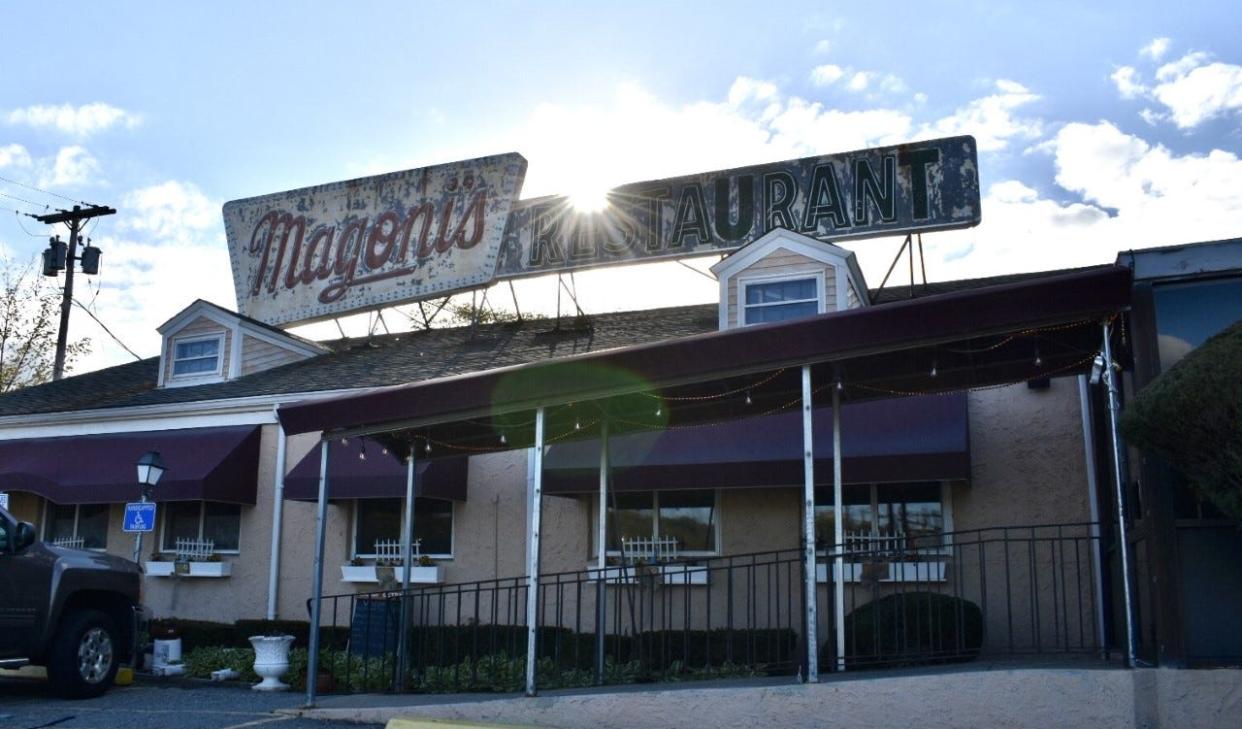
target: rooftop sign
<point>377,241</point>
<point>917,187</point>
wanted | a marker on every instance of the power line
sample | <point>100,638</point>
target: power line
<point>103,326</point>
<point>18,214</point>
<point>45,192</point>
<point>25,201</point>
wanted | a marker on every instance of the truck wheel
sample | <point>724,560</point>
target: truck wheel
<point>82,661</point>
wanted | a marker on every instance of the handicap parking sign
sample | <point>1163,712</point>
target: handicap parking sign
<point>139,517</point>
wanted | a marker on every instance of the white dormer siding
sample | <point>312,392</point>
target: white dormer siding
<point>206,344</point>
<point>784,275</point>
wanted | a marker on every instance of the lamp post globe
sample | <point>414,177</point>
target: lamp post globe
<point>150,468</point>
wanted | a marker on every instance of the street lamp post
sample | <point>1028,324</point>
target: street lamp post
<point>150,469</point>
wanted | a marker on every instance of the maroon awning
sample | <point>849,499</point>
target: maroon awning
<point>991,335</point>
<point>376,474</point>
<point>909,439</point>
<point>204,464</point>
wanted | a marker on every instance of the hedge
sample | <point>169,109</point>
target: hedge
<point>912,628</point>
<point>1190,417</point>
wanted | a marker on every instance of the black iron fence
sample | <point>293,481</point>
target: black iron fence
<point>950,597</point>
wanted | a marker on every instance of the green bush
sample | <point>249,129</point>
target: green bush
<point>200,662</point>
<point>205,634</point>
<point>1190,417</point>
<point>912,628</point>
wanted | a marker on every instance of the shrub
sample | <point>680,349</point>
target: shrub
<point>912,628</point>
<point>1189,416</point>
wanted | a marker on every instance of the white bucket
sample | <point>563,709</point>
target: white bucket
<point>166,652</point>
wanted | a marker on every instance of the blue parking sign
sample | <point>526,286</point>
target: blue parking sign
<point>139,517</point>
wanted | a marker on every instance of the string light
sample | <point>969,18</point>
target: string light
<point>427,447</point>
<point>1039,361</point>
<point>503,439</point>
<point>577,425</point>
<point>840,385</point>
<point>933,369</point>
<point>344,441</point>
<point>659,411</point>
<point>748,400</point>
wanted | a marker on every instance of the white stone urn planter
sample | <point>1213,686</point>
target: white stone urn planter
<point>271,660</point>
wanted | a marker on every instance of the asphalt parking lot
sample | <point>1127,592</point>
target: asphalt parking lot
<point>153,704</point>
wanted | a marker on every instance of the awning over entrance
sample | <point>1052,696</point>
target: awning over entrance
<point>207,464</point>
<point>361,468</point>
<point>906,439</point>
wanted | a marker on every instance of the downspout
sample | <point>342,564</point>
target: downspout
<point>1093,503</point>
<point>278,509</point>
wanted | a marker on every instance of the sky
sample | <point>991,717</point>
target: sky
<point>1101,126</point>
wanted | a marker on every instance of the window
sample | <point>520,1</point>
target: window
<point>1188,314</point>
<point>382,519</point>
<point>70,522</point>
<point>689,517</point>
<point>202,520</point>
<point>884,516</point>
<point>779,300</point>
<point>199,356</point>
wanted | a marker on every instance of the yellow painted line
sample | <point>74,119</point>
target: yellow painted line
<point>409,722</point>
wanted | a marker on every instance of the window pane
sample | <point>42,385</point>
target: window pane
<point>433,524</point>
<point>630,515</point>
<point>762,314</point>
<point>222,525</point>
<point>194,366</point>
<point>59,522</point>
<point>778,291</point>
<point>856,506</point>
<point>180,521</point>
<point>93,525</point>
<point>378,520</point>
<point>204,348</point>
<point>690,518</point>
<point>912,509</point>
<point>1188,314</point>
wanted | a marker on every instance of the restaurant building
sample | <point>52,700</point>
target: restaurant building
<point>974,456</point>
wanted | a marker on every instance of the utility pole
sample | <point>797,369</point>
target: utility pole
<point>74,219</point>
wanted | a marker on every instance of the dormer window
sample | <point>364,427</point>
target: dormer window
<point>197,357</point>
<point>768,301</point>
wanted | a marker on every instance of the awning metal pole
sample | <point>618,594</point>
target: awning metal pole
<point>532,555</point>
<point>1119,469</point>
<point>321,528</point>
<point>278,510</point>
<point>838,536</point>
<point>808,529</point>
<point>407,557</point>
<point>601,594</point>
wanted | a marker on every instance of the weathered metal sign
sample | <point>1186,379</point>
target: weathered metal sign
<point>923,186</point>
<point>376,241</point>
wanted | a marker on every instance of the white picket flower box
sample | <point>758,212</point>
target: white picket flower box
<point>196,569</point>
<point>420,575</point>
<point>892,571</point>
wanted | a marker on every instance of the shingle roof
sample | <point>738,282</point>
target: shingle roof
<point>414,356</point>
<point>375,361</point>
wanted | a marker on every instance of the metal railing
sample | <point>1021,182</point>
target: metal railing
<point>989,592</point>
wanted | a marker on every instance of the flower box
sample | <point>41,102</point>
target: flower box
<point>420,575</point>
<point>670,574</point>
<point>889,571</point>
<point>196,569</point>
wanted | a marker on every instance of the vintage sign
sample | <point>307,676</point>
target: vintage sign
<point>377,241</point>
<point>918,187</point>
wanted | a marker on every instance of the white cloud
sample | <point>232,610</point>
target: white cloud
<point>166,249</point>
<point>1201,93</point>
<point>80,121</point>
<point>859,81</point>
<point>1129,83</point>
<point>170,212</point>
<point>14,155</point>
<point>73,166</point>
<point>1156,49</point>
<point>827,74</point>
<point>991,119</point>
<point>823,47</point>
<point>1181,66</point>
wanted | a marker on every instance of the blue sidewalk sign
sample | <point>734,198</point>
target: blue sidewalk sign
<point>139,517</point>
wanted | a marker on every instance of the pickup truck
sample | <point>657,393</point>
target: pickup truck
<point>71,610</point>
